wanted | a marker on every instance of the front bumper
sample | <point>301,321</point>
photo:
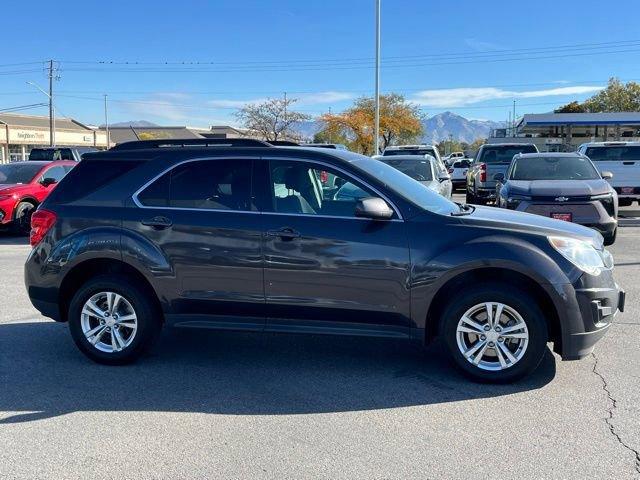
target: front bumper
<point>590,305</point>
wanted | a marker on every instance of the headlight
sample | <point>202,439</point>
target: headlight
<point>582,254</point>
<point>604,196</point>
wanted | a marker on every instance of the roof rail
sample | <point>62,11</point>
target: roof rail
<point>191,142</point>
<point>284,143</point>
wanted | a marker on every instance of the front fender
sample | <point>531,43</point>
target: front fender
<point>428,276</point>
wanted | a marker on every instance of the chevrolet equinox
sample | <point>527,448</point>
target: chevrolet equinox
<point>243,235</point>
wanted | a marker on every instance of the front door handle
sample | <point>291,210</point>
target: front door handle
<point>285,233</point>
<point>158,223</point>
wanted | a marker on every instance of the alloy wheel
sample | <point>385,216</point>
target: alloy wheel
<point>109,322</point>
<point>492,336</point>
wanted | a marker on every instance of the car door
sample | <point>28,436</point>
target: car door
<point>327,270</point>
<point>201,216</point>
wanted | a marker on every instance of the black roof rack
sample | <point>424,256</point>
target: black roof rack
<point>191,142</point>
<point>284,143</point>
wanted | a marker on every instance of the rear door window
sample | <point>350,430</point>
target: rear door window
<point>57,173</point>
<point>223,184</point>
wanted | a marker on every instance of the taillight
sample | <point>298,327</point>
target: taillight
<point>483,172</point>
<point>41,223</point>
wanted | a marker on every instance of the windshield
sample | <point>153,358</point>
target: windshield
<point>504,154</point>
<point>553,168</point>
<point>12,173</point>
<point>621,153</point>
<point>409,151</point>
<point>406,187</point>
<point>51,154</point>
<point>417,169</point>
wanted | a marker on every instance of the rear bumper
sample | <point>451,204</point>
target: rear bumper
<point>588,309</point>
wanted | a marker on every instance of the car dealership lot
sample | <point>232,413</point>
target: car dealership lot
<point>227,405</point>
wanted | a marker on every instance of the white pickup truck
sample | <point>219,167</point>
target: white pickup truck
<point>623,160</point>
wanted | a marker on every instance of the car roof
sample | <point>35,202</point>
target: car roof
<point>390,158</point>
<point>402,147</point>
<point>506,144</point>
<point>550,155</point>
<point>609,144</point>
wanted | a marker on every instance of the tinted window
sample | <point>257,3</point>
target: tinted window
<point>89,176</point>
<point>302,188</point>
<point>51,154</point>
<point>205,184</point>
<point>18,172</point>
<point>621,153</point>
<point>504,154</point>
<point>553,168</point>
<point>410,151</point>
<point>417,169</point>
<point>57,173</point>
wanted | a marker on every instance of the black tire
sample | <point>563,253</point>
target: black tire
<point>526,307</point>
<point>470,198</point>
<point>22,218</point>
<point>149,319</point>
<point>610,239</point>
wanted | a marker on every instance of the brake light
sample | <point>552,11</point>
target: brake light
<point>483,172</point>
<point>41,223</point>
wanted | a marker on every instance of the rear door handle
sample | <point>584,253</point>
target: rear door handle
<point>158,223</point>
<point>285,233</point>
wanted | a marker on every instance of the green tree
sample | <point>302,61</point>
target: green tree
<point>573,107</point>
<point>617,97</point>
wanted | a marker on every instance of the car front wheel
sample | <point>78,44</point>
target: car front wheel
<point>495,333</point>
<point>113,321</point>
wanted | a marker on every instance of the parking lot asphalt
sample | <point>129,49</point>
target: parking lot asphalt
<point>238,405</point>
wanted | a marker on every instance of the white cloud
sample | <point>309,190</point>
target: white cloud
<point>316,98</point>
<point>459,97</point>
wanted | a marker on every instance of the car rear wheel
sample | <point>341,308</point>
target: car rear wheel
<point>495,333</point>
<point>112,321</point>
<point>22,218</point>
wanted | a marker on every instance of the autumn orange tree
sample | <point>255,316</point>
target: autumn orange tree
<point>399,123</point>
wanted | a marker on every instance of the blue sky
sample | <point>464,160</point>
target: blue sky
<point>473,58</point>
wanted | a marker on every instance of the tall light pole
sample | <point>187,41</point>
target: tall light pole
<point>52,115</point>
<point>106,121</point>
<point>376,128</point>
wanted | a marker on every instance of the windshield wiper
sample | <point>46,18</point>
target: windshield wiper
<point>465,209</point>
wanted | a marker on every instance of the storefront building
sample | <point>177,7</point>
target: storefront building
<point>20,133</point>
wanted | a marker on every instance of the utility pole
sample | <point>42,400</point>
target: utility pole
<point>376,129</point>
<point>52,118</point>
<point>330,131</point>
<point>106,121</point>
<point>285,116</point>
<point>514,117</point>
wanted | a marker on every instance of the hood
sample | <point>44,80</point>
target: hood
<point>556,188</point>
<point>501,218</point>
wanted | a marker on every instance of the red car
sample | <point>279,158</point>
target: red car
<point>23,186</point>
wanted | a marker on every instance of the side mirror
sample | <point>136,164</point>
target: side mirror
<point>374,208</point>
<point>499,177</point>
<point>606,175</point>
<point>443,178</point>
<point>47,181</point>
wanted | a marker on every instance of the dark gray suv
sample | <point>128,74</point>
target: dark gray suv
<point>247,236</point>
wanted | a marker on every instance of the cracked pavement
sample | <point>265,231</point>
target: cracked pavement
<point>227,405</point>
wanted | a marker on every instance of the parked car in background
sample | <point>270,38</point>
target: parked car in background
<point>622,159</point>
<point>458,172</point>
<point>334,146</point>
<point>59,153</point>
<point>423,168</point>
<point>452,157</point>
<point>23,186</point>
<point>489,160</point>
<point>564,186</point>
<point>153,233</point>
<point>412,150</point>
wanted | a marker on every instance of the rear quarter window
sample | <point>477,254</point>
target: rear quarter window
<point>87,177</point>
